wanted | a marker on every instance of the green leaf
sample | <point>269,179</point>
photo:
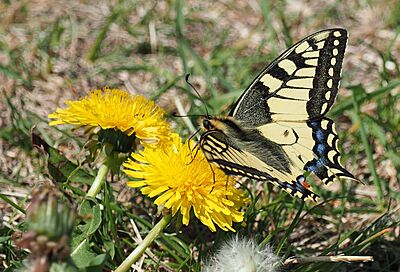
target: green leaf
<point>90,209</point>
<point>85,258</point>
<point>97,263</point>
<point>4,239</point>
<point>96,220</point>
<point>60,168</point>
<point>110,247</point>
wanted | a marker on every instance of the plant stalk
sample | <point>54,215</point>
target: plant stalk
<point>99,180</point>
<point>139,250</point>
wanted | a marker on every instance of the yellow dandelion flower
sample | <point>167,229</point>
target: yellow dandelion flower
<point>182,184</point>
<point>118,110</point>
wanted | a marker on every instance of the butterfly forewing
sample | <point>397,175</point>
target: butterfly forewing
<point>301,84</point>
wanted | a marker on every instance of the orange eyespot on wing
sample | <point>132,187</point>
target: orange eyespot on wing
<point>304,183</point>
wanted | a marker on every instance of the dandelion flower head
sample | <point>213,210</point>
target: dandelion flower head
<point>183,183</point>
<point>118,110</point>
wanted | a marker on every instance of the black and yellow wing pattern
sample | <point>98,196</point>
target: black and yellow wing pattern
<point>277,130</point>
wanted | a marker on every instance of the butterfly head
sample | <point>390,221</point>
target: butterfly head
<point>217,123</point>
<point>207,123</point>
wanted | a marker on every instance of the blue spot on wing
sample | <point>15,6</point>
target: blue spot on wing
<point>321,164</point>
<point>321,149</point>
<point>318,168</point>
<point>312,168</point>
<point>320,135</point>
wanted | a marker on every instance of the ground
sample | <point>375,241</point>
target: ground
<point>52,51</point>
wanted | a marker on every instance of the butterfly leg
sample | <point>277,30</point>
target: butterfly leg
<point>212,170</point>
<point>194,134</point>
<point>190,139</point>
<point>197,147</point>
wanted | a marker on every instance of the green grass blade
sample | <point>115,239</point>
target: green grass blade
<point>289,230</point>
<point>348,103</point>
<point>367,145</point>
<point>12,203</point>
<point>94,51</point>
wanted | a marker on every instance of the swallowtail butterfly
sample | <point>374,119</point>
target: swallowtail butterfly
<point>277,130</point>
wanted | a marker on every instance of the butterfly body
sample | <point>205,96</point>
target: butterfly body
<point>277,130</point>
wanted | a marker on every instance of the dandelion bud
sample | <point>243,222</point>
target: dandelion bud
<point>50,224</point>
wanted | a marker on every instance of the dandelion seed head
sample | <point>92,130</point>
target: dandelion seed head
<point>242,255</point>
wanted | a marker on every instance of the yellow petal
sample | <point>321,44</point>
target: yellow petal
<point>184,181</point>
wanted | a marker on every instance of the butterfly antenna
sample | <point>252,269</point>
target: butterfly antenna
<point>198,94</point>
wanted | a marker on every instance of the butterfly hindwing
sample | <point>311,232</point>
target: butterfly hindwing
<point>301,84</point>
<point>326,164</point>
<point>241,162</point>
<point>311,146</point>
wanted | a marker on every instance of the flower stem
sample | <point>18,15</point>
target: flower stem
<point>139,250</point>
<point>99,180</point>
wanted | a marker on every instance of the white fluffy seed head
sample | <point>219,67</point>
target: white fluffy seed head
<point>242,255</point>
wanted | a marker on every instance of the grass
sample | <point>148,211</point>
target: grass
<point>54,52</point>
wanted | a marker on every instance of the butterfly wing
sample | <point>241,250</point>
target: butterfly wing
<point>233,160</point>
<point>311,146</point>
<point>280,130</point>
<point>301,84</point>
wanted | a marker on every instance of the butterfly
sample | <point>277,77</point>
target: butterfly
<point>277,131</point>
